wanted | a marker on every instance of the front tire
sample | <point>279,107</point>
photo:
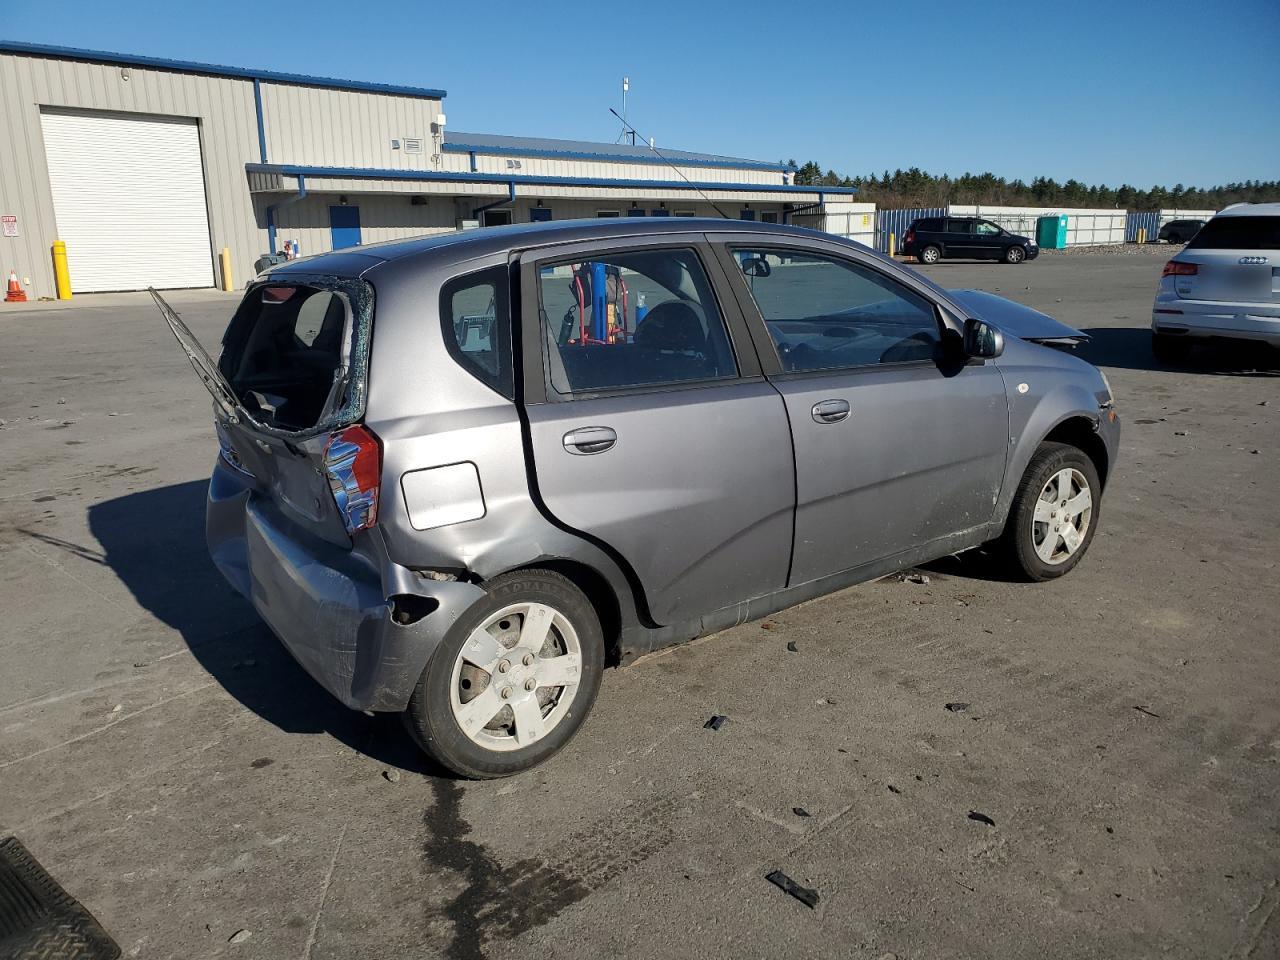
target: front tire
<point>1014,255</point>
<point>930,254</point>
<point>1054,513</point>
<point>513,679</point>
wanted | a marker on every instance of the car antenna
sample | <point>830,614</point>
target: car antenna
<point>649,143</point>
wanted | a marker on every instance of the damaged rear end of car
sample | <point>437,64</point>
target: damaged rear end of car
<point>294,498</point>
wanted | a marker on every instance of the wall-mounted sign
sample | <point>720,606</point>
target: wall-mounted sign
<point>9,225</point>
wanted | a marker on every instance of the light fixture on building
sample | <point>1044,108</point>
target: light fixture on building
<point>342,199</point>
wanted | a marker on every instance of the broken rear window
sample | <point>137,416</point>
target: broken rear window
<point>295,353</point>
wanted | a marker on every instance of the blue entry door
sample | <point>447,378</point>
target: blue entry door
<point>344,224</point>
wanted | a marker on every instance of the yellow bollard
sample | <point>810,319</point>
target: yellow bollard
<point>61,275</point>
<point>892,238</point>
<point>224,259</point>
<point>1142,235</point>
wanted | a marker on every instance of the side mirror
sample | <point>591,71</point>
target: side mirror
<point>756,267</point>
<point>982,340</point>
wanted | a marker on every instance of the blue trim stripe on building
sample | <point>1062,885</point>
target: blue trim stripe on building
<point>368,173</point>
<point>262,127</point>
<point>214,70</point>
<point>680,159</point>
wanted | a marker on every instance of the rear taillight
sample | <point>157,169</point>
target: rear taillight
<point>1177,268</point>
<point>353,462</point>
<point>909,236</point>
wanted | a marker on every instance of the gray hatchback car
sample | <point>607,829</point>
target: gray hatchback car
<point>460,475</point>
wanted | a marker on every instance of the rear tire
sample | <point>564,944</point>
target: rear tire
<point>513,679</point>
<point>930,254</point>
<point>1014,254</point>
<point>1044,539</point>
<point>1170,348</point>
<point>1175,239</point>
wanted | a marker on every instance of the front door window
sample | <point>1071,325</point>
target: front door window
<point>823,313</point>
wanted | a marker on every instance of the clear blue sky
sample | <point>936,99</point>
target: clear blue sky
<point>1144,93</point>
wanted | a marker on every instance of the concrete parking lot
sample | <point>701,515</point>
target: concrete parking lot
<point>169,763</point>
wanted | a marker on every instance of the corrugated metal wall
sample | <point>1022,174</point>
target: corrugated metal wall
<point>558,167</point>
<point>344,128</point>
<point>1148,220</point>
<point>228,134</point>
<point>896,222</point>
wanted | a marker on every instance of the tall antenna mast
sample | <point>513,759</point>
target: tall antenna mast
<point>626,131</point>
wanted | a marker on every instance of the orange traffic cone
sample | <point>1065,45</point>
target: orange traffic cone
<point>15,293</point>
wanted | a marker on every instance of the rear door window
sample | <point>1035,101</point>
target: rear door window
<point>631,319</point>
<point>1238,233</point>
<point>960,226</point>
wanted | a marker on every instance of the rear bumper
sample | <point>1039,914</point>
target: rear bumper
<point>331,608</point>
<point>1213,318</point>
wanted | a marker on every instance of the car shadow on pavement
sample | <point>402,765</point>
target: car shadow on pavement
<point>154,542</point>
<point>1130,348</point>
<point>971,565</point>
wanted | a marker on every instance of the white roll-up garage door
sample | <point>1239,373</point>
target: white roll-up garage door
<point>128,194</point>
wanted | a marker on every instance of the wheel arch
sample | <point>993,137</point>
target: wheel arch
<point>1081,432</point>
<point>600,593</point>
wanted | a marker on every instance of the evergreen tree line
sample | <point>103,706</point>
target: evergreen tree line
<point>916,188</point>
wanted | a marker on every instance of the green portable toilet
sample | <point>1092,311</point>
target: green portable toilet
<point>1051,232</point>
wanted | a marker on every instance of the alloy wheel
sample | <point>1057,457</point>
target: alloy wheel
<point>1063,512</point>
<point>515,678</point>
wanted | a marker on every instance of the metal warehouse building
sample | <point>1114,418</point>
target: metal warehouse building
<point>148,168</point>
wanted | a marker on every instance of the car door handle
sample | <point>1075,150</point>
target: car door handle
<point>585,440</point>
<point>830,411</point>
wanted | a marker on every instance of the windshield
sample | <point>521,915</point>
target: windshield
<point>1238,233</point>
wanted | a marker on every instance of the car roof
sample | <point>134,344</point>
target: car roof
<point>469,244</point>
<point>1251,210</point>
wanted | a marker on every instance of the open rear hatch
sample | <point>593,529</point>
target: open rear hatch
<point>287,389</point>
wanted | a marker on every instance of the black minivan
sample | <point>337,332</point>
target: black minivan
<point>932,238</point>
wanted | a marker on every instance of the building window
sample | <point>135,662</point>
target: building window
<point>768,216</point>
<point>497,218</point>
<point>686,213</point>
<point>746,214</point>
<point>607,213</point>
<point>539,214</point>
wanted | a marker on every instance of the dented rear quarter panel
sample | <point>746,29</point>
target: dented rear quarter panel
<point>428,412</point>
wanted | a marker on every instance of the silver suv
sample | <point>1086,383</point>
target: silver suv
<point>460,475</point>
<point>1224,284</point>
